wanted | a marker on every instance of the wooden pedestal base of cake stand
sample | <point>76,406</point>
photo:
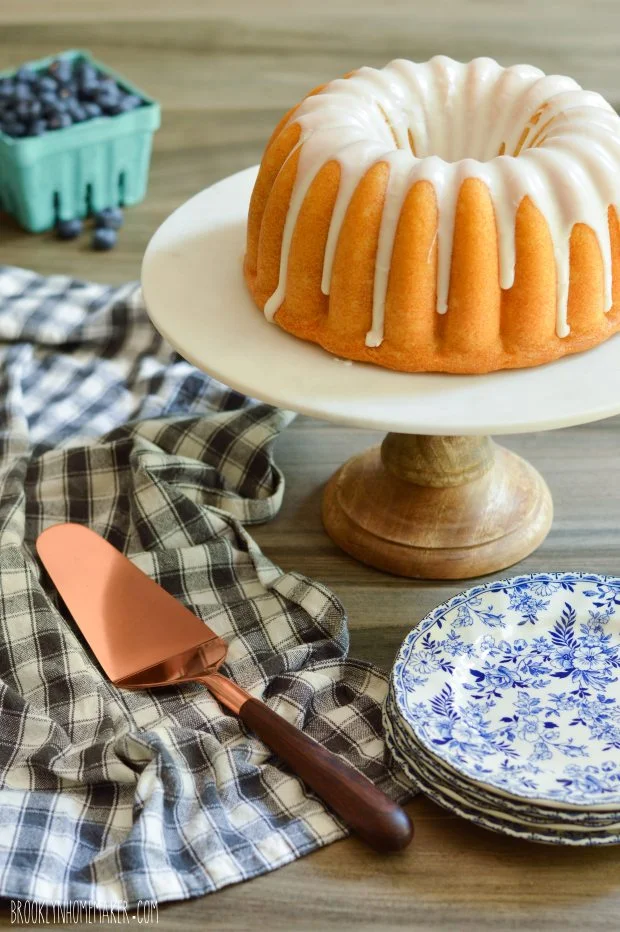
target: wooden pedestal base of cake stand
<point>437,507</point>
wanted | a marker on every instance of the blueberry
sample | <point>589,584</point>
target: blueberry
<point>47,83</point>
<point>14,129</point>
<point>37,128</point>
<point>128,102</point>
<point>26,74</point>
<point>7,88</point>
<point>103,239</point>
<point>23,91</point>
<point>76,111</point>
<point>35,109</point>
<point>22,109</point>
<point>107,102</point>
<point>51,108</point>
<point>48,97</point>
<point>60,121</point>
<point>86,74</point>
<point>60,105</point>
<point>92,110</point>
<point>69,229</point>
<point>111,218</point>
<point>62,70</point>
<point>68,91</point>
<point>109,86</point>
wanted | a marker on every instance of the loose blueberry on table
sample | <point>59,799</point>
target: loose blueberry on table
<point>104,235</point>
<point>103,239</point>
<point>69,229</point>
<point>66,92</point>
<point>111,218</point>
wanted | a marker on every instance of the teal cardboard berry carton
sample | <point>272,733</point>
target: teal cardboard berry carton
<point>82,168</point>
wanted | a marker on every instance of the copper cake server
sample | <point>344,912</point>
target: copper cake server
<point>143,638</point>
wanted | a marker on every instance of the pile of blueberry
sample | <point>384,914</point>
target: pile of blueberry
<point>66,92</point>
<point>107,222</point>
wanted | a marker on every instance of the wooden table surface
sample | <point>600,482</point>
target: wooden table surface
<point>224,72</point>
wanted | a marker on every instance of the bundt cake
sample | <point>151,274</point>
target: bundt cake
<point>441,217</point>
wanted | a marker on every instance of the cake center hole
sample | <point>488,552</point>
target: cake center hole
<point>450,144</point>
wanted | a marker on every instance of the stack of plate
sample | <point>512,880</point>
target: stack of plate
<point>504,707</point>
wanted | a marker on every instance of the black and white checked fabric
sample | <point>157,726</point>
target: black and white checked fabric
<point>113,796</point>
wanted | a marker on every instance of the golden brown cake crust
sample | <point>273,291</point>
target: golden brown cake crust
<point>485,327</point>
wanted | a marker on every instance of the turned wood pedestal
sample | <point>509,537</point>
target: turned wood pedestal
<point>437,507</point>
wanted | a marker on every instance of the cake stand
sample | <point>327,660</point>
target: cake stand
<point>438,499</point>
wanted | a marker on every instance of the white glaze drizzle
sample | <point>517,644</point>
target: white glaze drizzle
<point>460,117</point>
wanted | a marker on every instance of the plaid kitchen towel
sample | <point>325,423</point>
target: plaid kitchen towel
<point>113,796</point>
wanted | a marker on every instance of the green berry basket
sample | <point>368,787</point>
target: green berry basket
<point>81,169</point>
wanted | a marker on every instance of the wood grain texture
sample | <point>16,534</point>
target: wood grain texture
<point>224,73</point>
<point>437,507</point>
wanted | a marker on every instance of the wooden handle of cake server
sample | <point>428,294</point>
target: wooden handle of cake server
<point>372,815</point>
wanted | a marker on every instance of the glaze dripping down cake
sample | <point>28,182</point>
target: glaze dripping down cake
<point>441,217</point>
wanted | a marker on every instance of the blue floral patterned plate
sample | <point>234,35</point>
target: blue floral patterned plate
<point>524,812</point>
<point>515,685</point>
<point>497,821</point>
